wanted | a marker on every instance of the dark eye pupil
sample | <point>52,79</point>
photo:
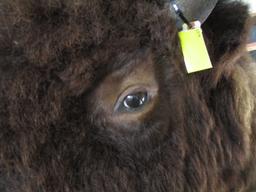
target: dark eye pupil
<point>135,101</point>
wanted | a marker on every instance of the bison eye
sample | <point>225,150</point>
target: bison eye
<point>135,101</point>
<point>132,100</point>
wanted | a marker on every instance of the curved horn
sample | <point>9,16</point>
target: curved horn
<point>196,9</point>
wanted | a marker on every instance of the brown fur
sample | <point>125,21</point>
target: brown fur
<point>200,136</point>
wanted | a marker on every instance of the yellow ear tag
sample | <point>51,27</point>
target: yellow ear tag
<point>194,50</point>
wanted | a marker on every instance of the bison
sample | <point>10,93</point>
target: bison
<point>95,97</point>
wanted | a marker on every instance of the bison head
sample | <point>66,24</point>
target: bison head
<point>94,97</point>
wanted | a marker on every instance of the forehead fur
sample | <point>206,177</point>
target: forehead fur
<point>78,39</point>
<point>46,28</point>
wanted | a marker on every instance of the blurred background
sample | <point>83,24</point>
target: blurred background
<point>252,4</point>
<point>252,42</point>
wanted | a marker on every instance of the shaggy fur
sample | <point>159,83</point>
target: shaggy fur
<point>53,53</point>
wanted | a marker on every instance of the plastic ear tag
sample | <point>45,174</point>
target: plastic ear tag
<point>194,50</point>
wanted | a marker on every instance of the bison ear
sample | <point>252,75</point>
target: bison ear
<point>195,9</point>
<point>226,30</point>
